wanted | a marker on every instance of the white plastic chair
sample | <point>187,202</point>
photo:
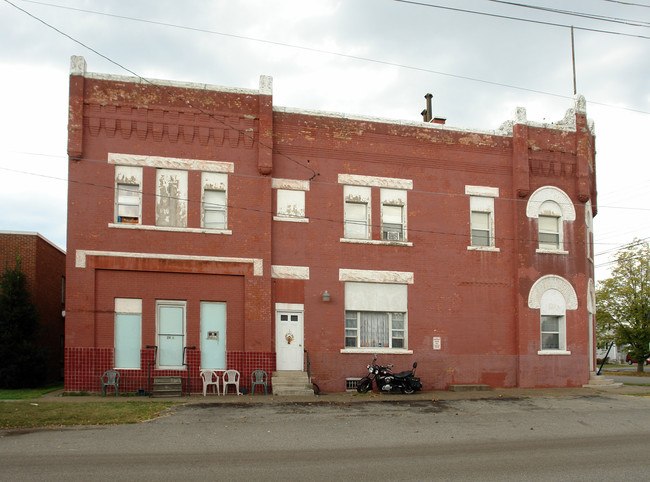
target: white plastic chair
<point>230,377</point>
<point>209,377</point>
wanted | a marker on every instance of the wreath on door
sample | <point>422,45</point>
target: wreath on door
<point>289,337</point>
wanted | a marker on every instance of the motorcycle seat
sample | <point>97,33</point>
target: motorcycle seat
<point>405,374</point>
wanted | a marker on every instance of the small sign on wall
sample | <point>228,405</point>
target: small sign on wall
<point>437,343</point>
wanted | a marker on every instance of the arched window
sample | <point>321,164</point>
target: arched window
<point>552,208</point>
<point>552,295</point>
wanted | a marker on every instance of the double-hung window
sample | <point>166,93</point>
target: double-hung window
<point>128,194</point>
<point>356,212</point>
<point>214,209</point>
<point>549,232</point>
<point>393,221</point>
<point>554,212</point>
<point>480,229</point>
<point>482,225</point>
<point>550,332</point>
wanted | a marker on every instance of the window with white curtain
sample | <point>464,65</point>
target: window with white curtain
<point>375,315</point>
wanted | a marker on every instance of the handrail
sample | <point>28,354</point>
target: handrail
<point>308,363</point>
<point>605,358</point>
<point>186,364</point>
<point>155,353</point>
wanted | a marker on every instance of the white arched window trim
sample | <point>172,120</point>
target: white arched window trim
<point>551,197</point>
<point>543,296</point>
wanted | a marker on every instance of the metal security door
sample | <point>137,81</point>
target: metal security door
<point>289,340</point>
<point>213,336</point>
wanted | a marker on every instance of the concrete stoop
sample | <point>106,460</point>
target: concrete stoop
<point>291,383</point>
<point>599,381</point>
<point>167,387</point>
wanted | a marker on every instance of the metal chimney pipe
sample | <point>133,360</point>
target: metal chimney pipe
<point>429,108</point>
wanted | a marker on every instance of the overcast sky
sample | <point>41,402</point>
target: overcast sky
<point>370,57</point>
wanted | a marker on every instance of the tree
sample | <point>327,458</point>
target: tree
<point>623,302</point>
<point>22,363</point>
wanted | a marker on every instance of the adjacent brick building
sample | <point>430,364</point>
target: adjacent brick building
<point>43,264</point>
<point>228,232</point>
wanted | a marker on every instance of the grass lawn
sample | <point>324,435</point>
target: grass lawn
<point>54,414</point>
<point>26,393</point>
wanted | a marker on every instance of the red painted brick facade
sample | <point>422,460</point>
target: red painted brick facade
<point>43,264</point>
<point>479,304</point>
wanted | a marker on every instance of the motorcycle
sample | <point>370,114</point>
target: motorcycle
<point>387,381</point>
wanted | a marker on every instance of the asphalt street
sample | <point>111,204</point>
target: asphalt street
<point>596,437</point>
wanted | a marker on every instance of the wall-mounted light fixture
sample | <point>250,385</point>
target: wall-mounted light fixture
<point>326,296</point>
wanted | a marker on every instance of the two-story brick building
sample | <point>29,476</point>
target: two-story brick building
<point>231,233</point>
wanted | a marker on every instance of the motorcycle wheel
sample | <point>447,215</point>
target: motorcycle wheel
<point>364,385</point>
<point>407,390</point>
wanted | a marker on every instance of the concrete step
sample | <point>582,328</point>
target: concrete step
<point>291,383</point>
<point>167,387</point>
<point>599,381</point>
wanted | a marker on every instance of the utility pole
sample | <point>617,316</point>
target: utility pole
<point>573,62</point>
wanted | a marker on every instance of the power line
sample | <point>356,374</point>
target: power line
<point>507,17</point>
<point>171,94</point>
<point>591,16</point>
<point>321,219</point>
<point>629,4</point>
<point>337,54</point>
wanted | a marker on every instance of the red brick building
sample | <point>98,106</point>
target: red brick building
<point>43,264</point>
<point>228,232</point>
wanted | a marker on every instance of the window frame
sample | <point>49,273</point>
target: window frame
<point>551,201</point>
<point>481,201</point>
<point>131,178</point>
<point>391,331</point>
<point>211,207</point>
<point>363,223</point>
<point>375,292</point>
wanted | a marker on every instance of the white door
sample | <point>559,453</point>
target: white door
<point>289,340</point>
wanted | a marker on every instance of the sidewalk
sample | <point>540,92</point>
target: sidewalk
<point>354,397</point>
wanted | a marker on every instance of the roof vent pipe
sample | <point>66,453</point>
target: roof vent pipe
<point>429,108</point>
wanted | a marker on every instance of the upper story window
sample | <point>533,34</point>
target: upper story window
<point>393,221</point>
<point>553,210</point>
<point>290,200</point>
<point>482,222</point>
<point>549,229</point>
<point>214,212</point>
<point>172,193</point>
<point>128,194</point>
<point>589,221</point>
<point>356,212</point>
<point>358,209</point>
<point>171,198</point>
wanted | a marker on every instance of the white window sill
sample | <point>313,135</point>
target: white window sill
<point>290,220</point>
<point>169,228</point>
<point>376,241</point>
<point>484,248</point>
<point>551,251</point>
<point>553,352</point>
<point>132,369</point>
<point>392,351</point>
